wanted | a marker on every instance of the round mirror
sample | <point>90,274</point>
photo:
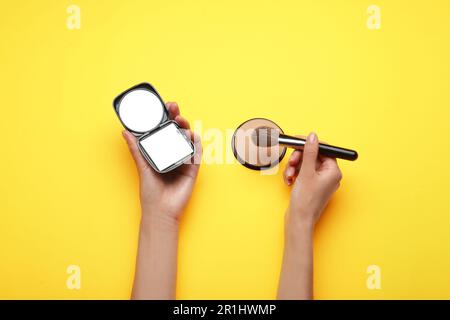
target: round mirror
<point>140,110</point>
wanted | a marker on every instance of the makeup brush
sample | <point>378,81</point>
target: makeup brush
<point>268,137</point>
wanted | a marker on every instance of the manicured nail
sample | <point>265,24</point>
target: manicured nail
<point>290,172</point>
<point>289,175</point>
<point>312,137</point>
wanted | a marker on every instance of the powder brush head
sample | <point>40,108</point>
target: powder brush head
<point>265,137</point>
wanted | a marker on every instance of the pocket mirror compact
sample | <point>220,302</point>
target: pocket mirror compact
<point>161,141</point>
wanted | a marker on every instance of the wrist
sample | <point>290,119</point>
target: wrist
<point>299,222</point>
<point>159,223</point>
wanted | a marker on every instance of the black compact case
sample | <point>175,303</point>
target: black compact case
<point>145,110</point>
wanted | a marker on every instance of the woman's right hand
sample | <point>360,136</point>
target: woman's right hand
<point>315,178</point>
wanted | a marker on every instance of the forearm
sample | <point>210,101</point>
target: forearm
<point>156,263</point>
<point>296,278</point>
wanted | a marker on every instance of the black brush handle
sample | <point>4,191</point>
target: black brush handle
<point>324,149</point>
<point>337,152</point>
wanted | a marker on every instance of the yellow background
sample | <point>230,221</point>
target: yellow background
<point>69,189</point>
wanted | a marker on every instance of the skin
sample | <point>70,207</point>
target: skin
<point>164,197</point>
<point>163,200</point>
<point>314,180</point>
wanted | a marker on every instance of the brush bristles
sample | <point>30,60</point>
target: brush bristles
<point>265,137</point>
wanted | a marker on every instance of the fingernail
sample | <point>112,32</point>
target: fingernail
<point>124,133</point>
<point>312,137</point>
<point>290,172</point>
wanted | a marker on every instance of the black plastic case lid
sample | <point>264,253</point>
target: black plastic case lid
<point>145,86</point>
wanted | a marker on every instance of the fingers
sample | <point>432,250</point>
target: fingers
<point>330,166</point>
<point>198,148</point>
<point>173,108</point>
<point>310,153</point>
<point>195,138</point>
<point>174,113</point>
<point>330,171</point>
<point>295,158</point>
<point>292,167</point>
<point>182,122</point>
<point>141,164</point>
<point>289,175</point>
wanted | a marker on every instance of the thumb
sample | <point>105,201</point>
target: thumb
<point>141,164</point>
<point>310,153</point>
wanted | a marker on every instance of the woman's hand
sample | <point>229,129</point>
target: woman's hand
<point>315,178</point>
<point>163,199</point>
<point>166,195</point>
